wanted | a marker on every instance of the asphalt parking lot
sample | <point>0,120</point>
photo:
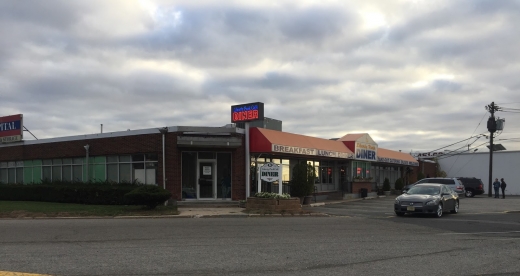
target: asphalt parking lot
<point>480,215</point>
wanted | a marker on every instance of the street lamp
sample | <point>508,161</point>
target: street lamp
<point>87,147</point>
<point>163,131</point>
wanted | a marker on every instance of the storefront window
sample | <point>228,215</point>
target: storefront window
<point>138,168</point>
<point>125,172</point>
<point>189,175</point>
<point>361,169</point>
<point>224,174</point>
<point>325,170</point>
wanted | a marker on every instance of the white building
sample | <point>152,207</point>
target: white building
<point>506,164</point>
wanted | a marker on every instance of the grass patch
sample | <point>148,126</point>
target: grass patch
<point>31,209</point>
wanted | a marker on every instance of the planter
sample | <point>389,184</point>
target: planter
<point>307,200</point>
<point>242,204</point>
<point>271,204</point>
<point>361,180</point>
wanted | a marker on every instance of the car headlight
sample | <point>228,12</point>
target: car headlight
<point>431,202</point>
<point>397,201</point>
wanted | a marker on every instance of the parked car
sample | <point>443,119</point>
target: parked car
<point>472,185</point>
<point>452,182</point>
<point>427,199</point>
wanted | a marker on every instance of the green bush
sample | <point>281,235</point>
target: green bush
<point>420,175</point>
<point>149,195</point>
<point>399,184</point>
<point>302,182</point>
<point>386,184</point>
<point>99,193</point>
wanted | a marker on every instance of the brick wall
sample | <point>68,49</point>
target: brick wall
<point>135,144</point>
<point>277,205</point>
<point>356,186</point>
<point>430,170</point>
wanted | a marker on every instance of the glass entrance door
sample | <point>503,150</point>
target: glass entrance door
<point>207,180</point>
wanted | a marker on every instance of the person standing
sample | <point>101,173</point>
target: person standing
<point>496,186</point>
<point>503,187</point>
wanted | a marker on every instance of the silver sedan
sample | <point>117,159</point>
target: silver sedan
<point>432,199</point>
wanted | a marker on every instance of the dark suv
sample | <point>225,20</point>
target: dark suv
<point>452,182</point>
<point>472,185</point>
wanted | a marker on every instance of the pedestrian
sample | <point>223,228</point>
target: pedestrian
<point>503,186</point>
<point>496,186</point>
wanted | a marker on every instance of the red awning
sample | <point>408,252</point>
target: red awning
<point>395,157</point>
<point>271,141</point>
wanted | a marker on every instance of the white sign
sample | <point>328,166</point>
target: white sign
<point>206,170</point>
<point>309,151</point>
<point>270,172</point>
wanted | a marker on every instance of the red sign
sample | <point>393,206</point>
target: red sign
<point>11,128</point>
<point>245,116</point>
<point>247,112</point>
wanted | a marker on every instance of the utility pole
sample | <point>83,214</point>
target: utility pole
<point>492,127</point>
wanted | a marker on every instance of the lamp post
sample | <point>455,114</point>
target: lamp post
<point>87,147</point>
<point>163,131</point>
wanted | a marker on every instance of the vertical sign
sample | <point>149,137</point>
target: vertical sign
<point>11,128</point>
<point>271,172</point>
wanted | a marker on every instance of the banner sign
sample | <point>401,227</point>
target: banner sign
<point>270,172</point>
<point>247,112</point>
<point>366,151</point>
<point>397,161</point>
<point>426,154</point>
<point>11,128</point>
<point>310,151</point>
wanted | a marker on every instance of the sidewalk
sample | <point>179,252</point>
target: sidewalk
<point>201,212</point>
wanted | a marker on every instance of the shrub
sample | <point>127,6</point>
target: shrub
<point>420,175</point>
<point>386,184</point>
<point>399,184</point>
<point>302,182</point>
<point>149,195</point>
<point>101,193</point>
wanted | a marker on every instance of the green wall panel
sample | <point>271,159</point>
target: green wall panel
<point>37,171</point>
<point>96,168</point>
<point>27,172</point>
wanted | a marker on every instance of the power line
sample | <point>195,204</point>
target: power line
<point>467,144</point>
<point>444,156</point>
<point>479,135</point>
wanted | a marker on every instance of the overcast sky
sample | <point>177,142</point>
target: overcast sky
<point>415,75</point>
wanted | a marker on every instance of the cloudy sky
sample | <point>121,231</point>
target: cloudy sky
<point>414,74</point>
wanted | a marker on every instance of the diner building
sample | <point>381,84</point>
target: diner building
<point>205,163</point>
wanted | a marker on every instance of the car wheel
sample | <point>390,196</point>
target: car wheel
<point>455,208</point>
<point>469,193</point>
<point>439,211</point>
<point>399,214</point>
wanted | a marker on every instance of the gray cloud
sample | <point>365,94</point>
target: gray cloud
<point>415,76</point>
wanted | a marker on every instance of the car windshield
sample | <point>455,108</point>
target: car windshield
<point>424,190</point>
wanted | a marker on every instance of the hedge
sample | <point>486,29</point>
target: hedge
<point>103,193</point>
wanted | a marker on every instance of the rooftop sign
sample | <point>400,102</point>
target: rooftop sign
<point>247,112</point>
<point>11,128</point>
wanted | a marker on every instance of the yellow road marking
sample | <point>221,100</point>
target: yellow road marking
<point>11,273</point>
